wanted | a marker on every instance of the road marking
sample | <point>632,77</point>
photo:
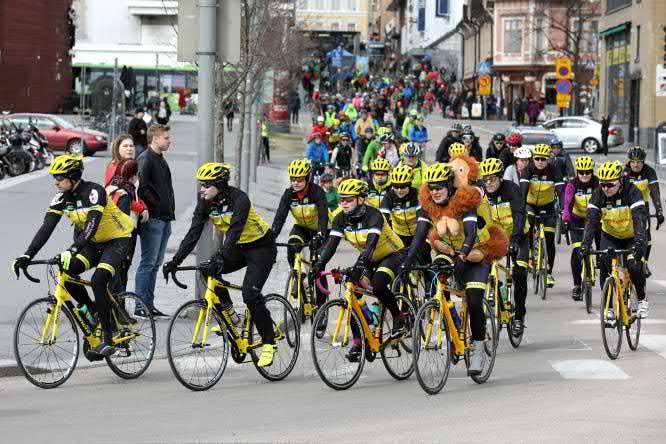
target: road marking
<point>588,369</point>
<point>596,321</point>
<point>656,343</point>
<point>576,345</point>
<point>13,181</point>
<point>658,282</point>
<point>7,363</point>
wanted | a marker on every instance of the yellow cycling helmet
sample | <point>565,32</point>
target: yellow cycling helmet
<point>299,168</point>
<point>541,150</point>
<point>610,170</point>
<point>384,130</point>
<point>491,167</point>
<point>401,175</point>
<point>457,149</point>
<point>67,164</point>
<point>380,164</point>
<point>352,187</point>
<point>438,172</point>
<point>584,163</point>
<point>214,172</point>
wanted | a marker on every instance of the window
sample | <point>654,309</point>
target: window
<point>351,27</point>
<point>513,36</point>
<point>592,36</point>
<point>442,8</point>
<point>573,123</point>
<point>616,4</point>
<point>540,31</point>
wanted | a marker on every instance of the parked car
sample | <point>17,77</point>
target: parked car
<point>533,135</point>
<point>63,135</point>
<point>583,133</point>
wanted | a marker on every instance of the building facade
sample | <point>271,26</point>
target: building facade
<point>349,16</point>
<point>633,66</point>
<point>35,63</point>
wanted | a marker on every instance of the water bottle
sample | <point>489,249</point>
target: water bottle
<point>367,312</point>
<point>231,315</point>
<point>504,294</point>
<point>454,315</point>
<point>376,311</point>
<point>85,314</point>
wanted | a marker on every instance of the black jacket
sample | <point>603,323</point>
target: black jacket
<point>155,186</point>
<point>139,131</point>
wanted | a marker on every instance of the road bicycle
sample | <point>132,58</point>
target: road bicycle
<point>588,274</point>
<point>442,333</point>
<point>343,324</point>
<point>201,336</point>
<point>500,297</point>
<point>46,339</point>
<point>539,257</point>
<point>415,285</point>
<point>618,305</point>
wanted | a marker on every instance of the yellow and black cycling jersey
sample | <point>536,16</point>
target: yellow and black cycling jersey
<point>623,216</point>
<point>541,187</point>
<point>417,170</point>
<point>402,213</point>
<point>232,214</point>
<point>507,209</point>
<point>581,197</point>
<point>309,209</point>
<point>357,229</point>
<point>647,183</point>
<point>95,217</point>
<point>376,192</point>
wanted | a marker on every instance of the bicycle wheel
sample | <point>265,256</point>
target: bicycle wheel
<point>494,301</point>
<point>46,364</point>
<point>134,337</point>
<point>558,229</point>
<point>611,329</point>
<point>286,355</point>
<point>291,295</point>
<point>397,353</point>
<point>432,347</point>
<point>515,340</point>
<point>633,330</point>
<point>489,345</point>
<point>586,289</point>
<point>196,365</point>
<point>542,286</point>
<point>330,353</point>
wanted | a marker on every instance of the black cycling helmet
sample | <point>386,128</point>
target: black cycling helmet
<point>556,143</point>
<point>637,152</point>
<point>499,137</point>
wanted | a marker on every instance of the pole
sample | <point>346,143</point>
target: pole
<point>157,73</point>
<point>82,99</point>
<point>245,155</point>
<point>114,93</point>
<point>206,55</point>
<point>253,140</point>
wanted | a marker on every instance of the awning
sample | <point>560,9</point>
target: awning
<point>615,29</point>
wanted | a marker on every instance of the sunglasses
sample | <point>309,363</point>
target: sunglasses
<point>585,173</point>
<point>207,184</point>
<point>608,185</point>
<point>60,177</point>
<point>436,187</point>
<point>540,159</point>
<point>491,179</point>
<point>347,199</point>
<point>297,179</point>
<point>400,186</point>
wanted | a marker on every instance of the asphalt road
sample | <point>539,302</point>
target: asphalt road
<point>559,386</point>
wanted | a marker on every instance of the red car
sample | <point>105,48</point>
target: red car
<point>63,135</point>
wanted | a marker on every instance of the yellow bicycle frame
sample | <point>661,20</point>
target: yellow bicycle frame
<point>456,339</point>
<point>344,317</point>
<point>621,280</point>
<point>502,311</point>
<point>298,268</point>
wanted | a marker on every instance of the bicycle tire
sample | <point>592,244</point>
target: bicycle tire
<point>289,294</point>
<point>144,328</point>
<point>286,353</point>
<point>318,345</point>
<point>608,291</point>
<point>586,289</point>
<point>543,285</point>
<point>490,351</point>
<point>428,321</point>
<point>187,311</point>
<point>558,229</point>
<point>291,340</point>
<point>35,374</point>
<point>397,350</point>
<point>633,330</point>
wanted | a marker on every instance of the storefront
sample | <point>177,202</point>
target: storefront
<point>617,73</point>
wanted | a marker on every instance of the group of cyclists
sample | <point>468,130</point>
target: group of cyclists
<point>390,204</point>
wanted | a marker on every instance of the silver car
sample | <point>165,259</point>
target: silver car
<point>583,133</point>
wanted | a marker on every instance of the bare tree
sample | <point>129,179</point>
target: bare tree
<point>569,28</point>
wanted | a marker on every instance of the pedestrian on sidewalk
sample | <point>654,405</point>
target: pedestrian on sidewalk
<point>122,148</point>
<point>228,109</point>
<point>294,106</point>
<point>605,125</point>
<point>139,131</point>
<point>164,112</point>
<point>533,111</point>
<point>264,138</point>
<point>156,190</point>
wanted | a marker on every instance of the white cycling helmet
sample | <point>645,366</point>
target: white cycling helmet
<point>523,153</point>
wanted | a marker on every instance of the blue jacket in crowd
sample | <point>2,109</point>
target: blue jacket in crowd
<point>317,153</point>
<point>418,134</point>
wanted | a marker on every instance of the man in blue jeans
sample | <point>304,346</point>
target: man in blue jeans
<point>156,190</point>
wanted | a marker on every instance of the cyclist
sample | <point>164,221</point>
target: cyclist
<point>499,149</point>
<point>471,142</point>
<point>341,159</point>
<point>577,195</point>
<point>102,234</point>
<point>561,159</point>
<point>308,205</point>
<point>248,242</point>
<point>618,210</point>
<point>542,184</point>
<point>517,170</point>
<point>418,132</point>
<point>411,158</point>
<point>409,123</point>
<point>453,136</point>
<point>364,228</point>
<point>364,144</point>
<point>644,177</point>
<point>400,206</point>
<point>507,209</point>
<point>378,185</point>
<point>389,150</point>
<point>384,140</point>
<point>473,275</point>
<point>318,154</point>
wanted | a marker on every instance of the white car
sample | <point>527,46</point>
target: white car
<point>583,133</point>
